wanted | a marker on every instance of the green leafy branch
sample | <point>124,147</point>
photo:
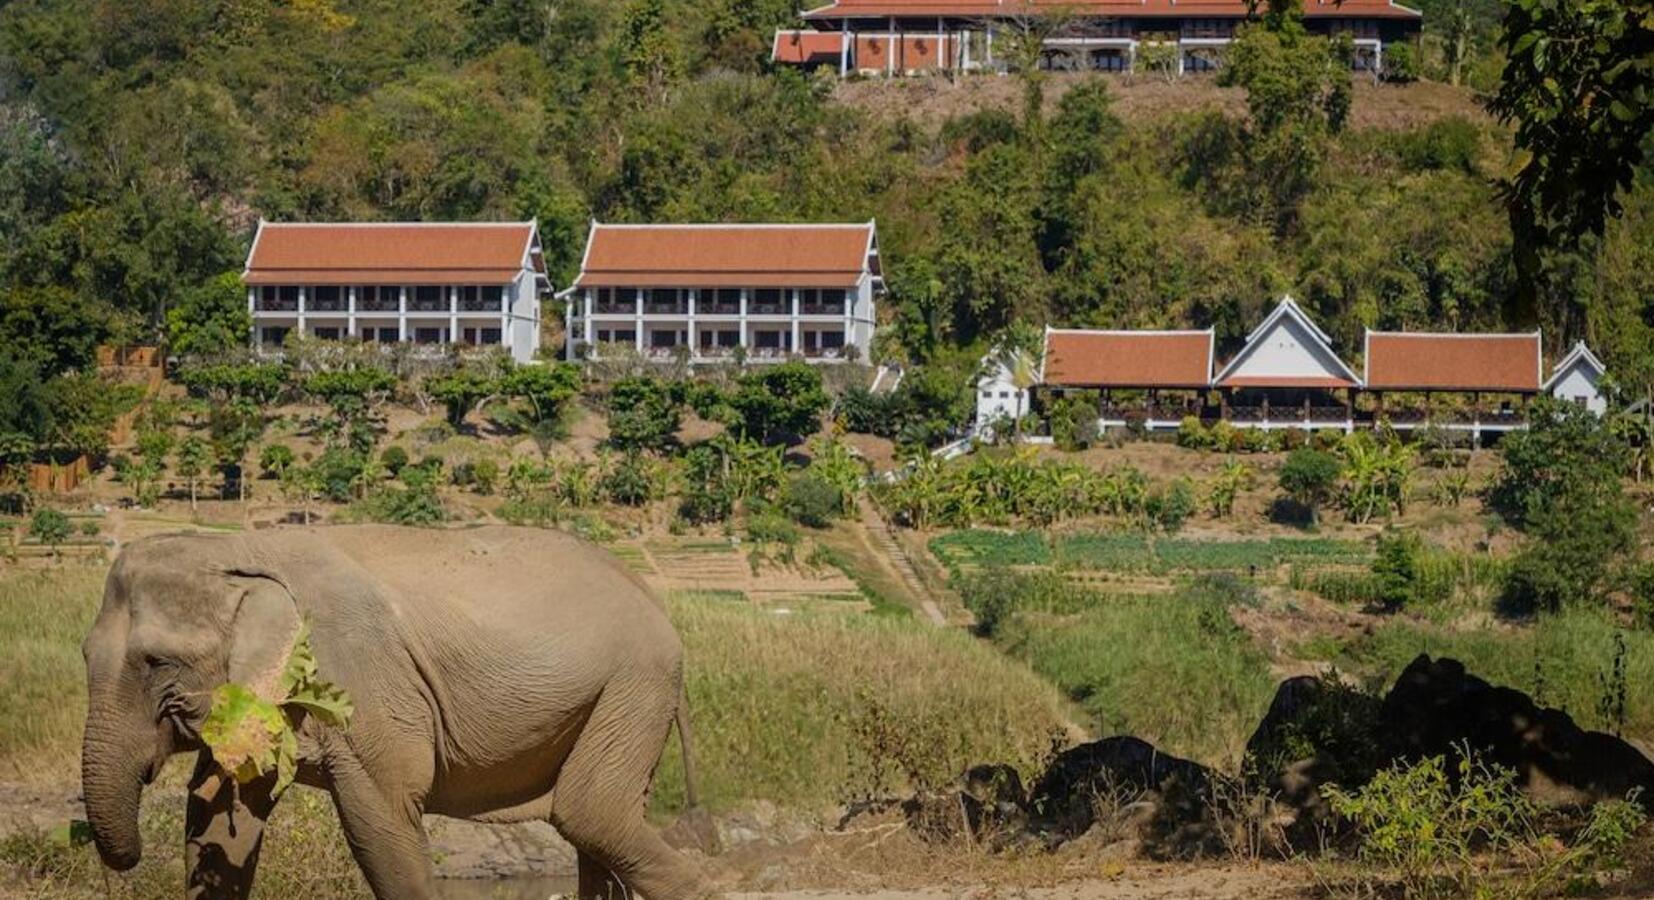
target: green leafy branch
<point>250,736</point>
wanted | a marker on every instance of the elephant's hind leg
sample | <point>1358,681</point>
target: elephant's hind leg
<point>599,802</point>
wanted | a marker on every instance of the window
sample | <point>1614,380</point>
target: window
<point>492,295</point>
<point>767,340</point>
<point>327,298</point>
<point>428,298</point>
<point>663,338</point>
<point>767,297</point>
<point>428,335</point>
<point>273,336</point>
<point>491,337</point>
<point>327,334</point>
<point>832,297</point>
<point>831,340</point>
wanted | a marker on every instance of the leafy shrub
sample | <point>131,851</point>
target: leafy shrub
<point>994,593</point>
<point>703,504</point>
<point>1427,826</point>
<point>644,414</point>
<point>483,475</point>
<point>1400,63</point>
<point>1193,435</point>
<point>1308,477</point>
<point>1171,506</point>
<point>49,527</point>
<point>812,501</point>
<point>394,458</point>
<point>1396,568</point>
<point>1074,421</point>
<point>769,528</point>
<point>633,481</point>
<point>275,459</point>
<point>418,506</point>
<point>336,473</point>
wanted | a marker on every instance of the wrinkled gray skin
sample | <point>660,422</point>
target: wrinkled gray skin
<point>500,675</point>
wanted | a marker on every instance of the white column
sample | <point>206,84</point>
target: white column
<point>693,295</point>
<point>1180,56</point>
<point>505,319</point>
<point>844,48</point>
<point>890,49</point>
<point>402,313</point>
<point>941,39</point>
<point>453,313</point>
<point>252,312</point>
<point>745,293</point>
<point>302,298</point>
<point>851,298</point>
<point>350,311</point>
<point>1378,59</point>
<point>798,330</point>
<point>989,27</point>
<point>637,318</point>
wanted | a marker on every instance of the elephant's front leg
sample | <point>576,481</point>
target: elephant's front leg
<point>223,831</point>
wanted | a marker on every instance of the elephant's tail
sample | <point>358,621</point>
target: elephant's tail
<point>692,796</point>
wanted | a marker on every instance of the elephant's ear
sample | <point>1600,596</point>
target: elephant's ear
<point>262,632</point>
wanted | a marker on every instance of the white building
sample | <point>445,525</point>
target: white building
<point>476,284</point>
<point>778,291</point>
<point>1578,379</point>
<point>998,399</point>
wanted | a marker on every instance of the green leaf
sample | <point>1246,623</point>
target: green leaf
<point>243,732</point>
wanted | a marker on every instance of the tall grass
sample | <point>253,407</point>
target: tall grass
<point>1564,660</point>
<point>1138,552</point>
<point>789,708</point>
<point>1173,670</point>
<point>44,613</point>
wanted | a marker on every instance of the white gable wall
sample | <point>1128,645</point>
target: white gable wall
<point>1287,349</point>
<point>1578,384</point>
<point>997,398</point>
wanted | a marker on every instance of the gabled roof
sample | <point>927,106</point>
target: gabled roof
<point>1332,371</point>
<point>1579,355</point>
<point>392,253</point>
<point>1340,9</point>
<point>1423,361</point>
<point>800,47</point>
<point>701,256</point>
<point>1128,359</point>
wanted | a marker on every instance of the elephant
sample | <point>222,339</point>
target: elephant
<point>498,674</point>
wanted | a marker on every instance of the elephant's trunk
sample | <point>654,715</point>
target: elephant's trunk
<point>114,768</point>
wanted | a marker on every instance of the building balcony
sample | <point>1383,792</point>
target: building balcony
<point>614,309</point>
<point>717,309</point>
<point>480,306</point>
<point>375,305</point>
<point>427,306</point>
<point>276,305</point>
<point>666,309</point>
<point>823,309</point>
<point>769,309</point>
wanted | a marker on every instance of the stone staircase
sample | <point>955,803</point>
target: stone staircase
<point>884,540</point>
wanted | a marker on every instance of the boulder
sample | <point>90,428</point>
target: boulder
<point>1168,797</point>
<point>1436,707</point>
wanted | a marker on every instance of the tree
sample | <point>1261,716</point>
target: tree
<point>644,414</point>
<point>1298,92</point>
<point>275,459</point>
<point>780,400</point>
<point>649,54</point>
<point>210,319</point>
<point>50,527</point>
<point>354,395</point>
<point>234,428</point>
<point>193,460</point>
<point>1309,477</point>
<point>1578,84</point>
<point>1226,486</point>
<point>459,392</point>
<point>546,389</point>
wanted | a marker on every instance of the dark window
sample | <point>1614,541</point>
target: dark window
<point>274,336</point>
<point>492,294</point>
<point>328,334</point>
<point>327,298</point>
<point>767,298</point>
<point>429,298</point>
<point>663,338</point>
<point>768,340</point>
<point>729,338</point>
<point>428,335</point>
<point>490,337</point>
<point>832,340</point>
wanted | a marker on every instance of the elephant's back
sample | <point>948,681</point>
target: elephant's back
<point>522,580</point>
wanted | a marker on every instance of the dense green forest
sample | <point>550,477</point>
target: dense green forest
<point>140,140</point>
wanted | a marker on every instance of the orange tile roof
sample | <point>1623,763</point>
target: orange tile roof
<point>1128,359</point>
<point>394,253</point>
<point>1453,362</point>
<point>1344,9</point>
<point>806,46</point>
<point>834,256</point>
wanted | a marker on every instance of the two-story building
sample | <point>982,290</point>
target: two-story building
<point>709,292</point>
<point>906,37</point>
<point>441,283</point>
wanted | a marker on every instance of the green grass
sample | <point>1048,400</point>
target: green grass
<point>1106,552</point>
<point>1565,660</point>
<point>44,613</point>
<point>989,548</point>
<point>1173,670</point>
<point>809,709</point>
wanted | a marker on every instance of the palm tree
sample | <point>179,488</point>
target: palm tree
<point>1020,354</point>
